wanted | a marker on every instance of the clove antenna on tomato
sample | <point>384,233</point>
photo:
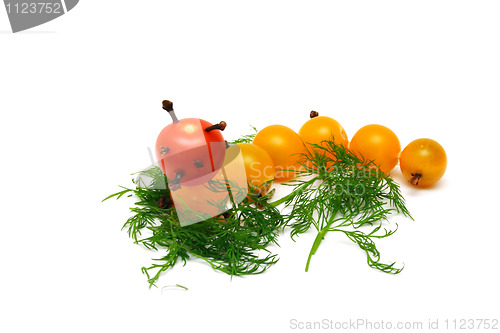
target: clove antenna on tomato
<point>190,151</point>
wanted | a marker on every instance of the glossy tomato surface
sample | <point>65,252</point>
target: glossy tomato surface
<point>285,148</point>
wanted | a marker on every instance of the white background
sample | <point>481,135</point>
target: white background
<point>80,103</point>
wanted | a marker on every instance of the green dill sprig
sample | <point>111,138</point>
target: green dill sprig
<point>247,138</point>
<point>338,191</point>
<point>234,243</point>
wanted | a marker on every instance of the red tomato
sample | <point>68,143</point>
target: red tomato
<point>184,149</point>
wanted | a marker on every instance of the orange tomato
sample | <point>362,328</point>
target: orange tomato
<point>423,162</point>
<point>322,128</point>
<point>285,148</point>
<point>259,166</point>
<point>377,143</point>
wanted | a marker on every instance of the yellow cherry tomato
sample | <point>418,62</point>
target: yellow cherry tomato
<point>423,162</point>
<point>322,128</point>
<point>377,143</point>
<point>285,148</point>
<point>259,166</point>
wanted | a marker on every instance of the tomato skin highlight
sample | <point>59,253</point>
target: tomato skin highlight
<point>423,162</point>
<point>377,143</point>
<point>322,128</point>
<point>285,148</point>
<point>259,166</point>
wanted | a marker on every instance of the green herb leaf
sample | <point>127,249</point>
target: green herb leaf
<point>235,243</point>
<point>335,192</point>
<point>339,192</point>
<point>248,138</point>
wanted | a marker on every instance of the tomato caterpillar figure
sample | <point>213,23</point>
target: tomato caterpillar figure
<point>190,151</point>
